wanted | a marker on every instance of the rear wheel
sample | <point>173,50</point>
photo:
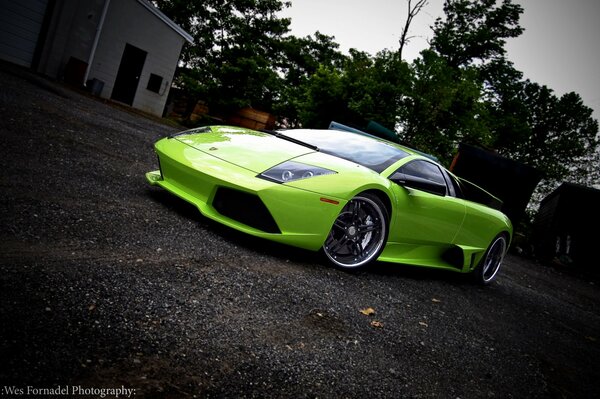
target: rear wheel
<point>490,264</point>
<point>358,235</point>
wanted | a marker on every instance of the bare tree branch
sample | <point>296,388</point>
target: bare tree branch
<point>413,10</point>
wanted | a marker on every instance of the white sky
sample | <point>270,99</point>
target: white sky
<point>560,47</point>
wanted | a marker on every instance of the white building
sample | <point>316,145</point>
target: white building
<point>124,50</point>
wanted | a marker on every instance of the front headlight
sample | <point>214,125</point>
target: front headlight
<point>290,171</point>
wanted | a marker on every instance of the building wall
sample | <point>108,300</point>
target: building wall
<point>20,26</point>
<point>57,39</point>
<point>127,21</point>
<point>70,34</point>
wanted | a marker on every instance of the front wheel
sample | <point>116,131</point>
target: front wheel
<point>358,235</point>
<point>490,264</point>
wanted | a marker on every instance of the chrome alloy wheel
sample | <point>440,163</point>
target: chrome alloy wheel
<point>493,259</point>
<point>358,234</point>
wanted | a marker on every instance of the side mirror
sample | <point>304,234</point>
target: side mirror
<point>418,183</point>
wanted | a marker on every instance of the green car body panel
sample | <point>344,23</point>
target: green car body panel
<point>204,166</point>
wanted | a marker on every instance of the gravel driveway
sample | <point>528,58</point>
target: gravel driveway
<point>106,282</point>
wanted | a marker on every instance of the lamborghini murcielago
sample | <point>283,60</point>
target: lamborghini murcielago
<point>354,197</point>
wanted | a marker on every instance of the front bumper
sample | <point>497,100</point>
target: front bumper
<point>235,197</point>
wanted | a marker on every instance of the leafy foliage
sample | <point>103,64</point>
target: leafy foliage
<point>546,130</point>
<point>475,31</point>
<point>467,90</point>
<point>230,64</point>
<point>443,107</point>
<point>323,99</point>
<point>363,89</point>
<point>376,86</point>
<point>303,60</point>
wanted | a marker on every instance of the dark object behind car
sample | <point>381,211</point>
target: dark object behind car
<point>566,227</point>
<point>513,182</point>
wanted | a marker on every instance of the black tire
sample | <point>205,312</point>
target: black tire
<point>359,233</point>
<point>488,267</point>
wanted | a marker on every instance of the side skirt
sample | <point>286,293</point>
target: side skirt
<point>458,258</point>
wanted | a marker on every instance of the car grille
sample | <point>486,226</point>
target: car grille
<point>245,208</point>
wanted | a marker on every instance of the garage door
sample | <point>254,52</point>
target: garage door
<point>20,26</point>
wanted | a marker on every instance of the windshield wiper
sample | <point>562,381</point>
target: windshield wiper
<point>290,139</point>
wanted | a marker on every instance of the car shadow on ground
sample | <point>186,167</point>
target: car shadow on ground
<point>420,273</point>
<point>297,255</point>
<point>255,244</point>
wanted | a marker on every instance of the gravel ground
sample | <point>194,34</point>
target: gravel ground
<point>106,282</point>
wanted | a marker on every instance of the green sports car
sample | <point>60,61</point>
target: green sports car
<point>353,196</point>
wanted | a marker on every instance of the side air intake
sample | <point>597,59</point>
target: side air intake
<point>245,208</point>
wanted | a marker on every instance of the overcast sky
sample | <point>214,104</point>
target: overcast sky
<point>560,47</point>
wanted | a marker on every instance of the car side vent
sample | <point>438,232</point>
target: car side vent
<point>245,208</point>
<point>454,256</point>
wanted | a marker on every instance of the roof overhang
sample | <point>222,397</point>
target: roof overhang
<point>166,20</point>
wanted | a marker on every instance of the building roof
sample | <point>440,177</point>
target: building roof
<point>166,20</point>
<point>574,192</point>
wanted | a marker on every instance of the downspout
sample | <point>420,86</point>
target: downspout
<point>96,39</point>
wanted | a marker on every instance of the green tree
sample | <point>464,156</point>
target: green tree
<point>300,59</point>
<point>451,83</point>
<point>364,88</point>
<point>443,107</point>
<point>230,64</point>
<point>465,90</point>
<point>375,87</point>
<point>475,31</point>
<point>323,99</point>
<point>554,134</point>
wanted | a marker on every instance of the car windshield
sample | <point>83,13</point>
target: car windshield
<point>366,151</point>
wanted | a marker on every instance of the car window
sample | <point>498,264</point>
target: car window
<point>453,185</point>
<point>423,169</point>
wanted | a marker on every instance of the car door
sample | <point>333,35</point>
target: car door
<point>422,217</point>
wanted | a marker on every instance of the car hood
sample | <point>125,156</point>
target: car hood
<point>252,150</point>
